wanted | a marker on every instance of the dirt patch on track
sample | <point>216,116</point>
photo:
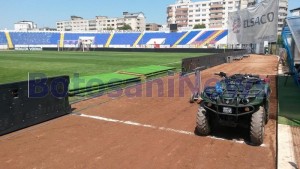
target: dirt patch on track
<point>143,131</point>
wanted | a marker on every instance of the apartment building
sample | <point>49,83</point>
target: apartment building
<point>219,10</point>
<point>198,13</point>
<point>153,27</point>
<point>25,26</point>
<point>137,22</point>
<point>282,14</point>
<point>212,13</point>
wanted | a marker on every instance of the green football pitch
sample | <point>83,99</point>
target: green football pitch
<point>15,65</point>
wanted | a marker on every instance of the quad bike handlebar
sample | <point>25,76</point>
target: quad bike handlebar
<point>247,76</point>
<point>221,74</point>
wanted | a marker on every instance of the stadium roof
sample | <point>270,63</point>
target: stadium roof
<point>133,15</point>
<point>296,9</point>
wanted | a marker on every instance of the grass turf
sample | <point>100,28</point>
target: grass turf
<point>99,80</point>
<point>146,70</point>
<point>15,65</point>
<point>289,99</point>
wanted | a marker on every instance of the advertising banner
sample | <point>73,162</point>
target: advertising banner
<point>255,24</point>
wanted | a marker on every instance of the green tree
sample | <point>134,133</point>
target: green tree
<point>125,27</point>
<point>199,26</point>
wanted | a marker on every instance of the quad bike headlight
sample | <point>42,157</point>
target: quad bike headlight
<point>247,100</point>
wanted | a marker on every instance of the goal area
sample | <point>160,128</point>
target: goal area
<point>82,44</point>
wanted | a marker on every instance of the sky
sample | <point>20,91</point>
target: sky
<point>48,12</point>
<point>294,4</point>
<point>45,13</point>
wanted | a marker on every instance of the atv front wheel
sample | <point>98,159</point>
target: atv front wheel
<point>203,126</point>
<point>257,128</point>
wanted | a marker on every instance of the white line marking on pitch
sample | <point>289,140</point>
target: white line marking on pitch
<point>154,127</point>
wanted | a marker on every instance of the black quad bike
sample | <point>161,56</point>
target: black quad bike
<point>237,100</point>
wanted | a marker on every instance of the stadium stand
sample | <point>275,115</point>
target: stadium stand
<point>100,38</point>
<point>34,38</point>
<point>114,39</point>
<point>204,36</point>
<point>3,39</point>
<point>189,37</point>
<point>170,38</point>
<point>222,35</point>
<point>124,38</point>
<point>138,39</point>
<point>211,38</point>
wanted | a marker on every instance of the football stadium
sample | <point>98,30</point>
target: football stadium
<point>197,98</point>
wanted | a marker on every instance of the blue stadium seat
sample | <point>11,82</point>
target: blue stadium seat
<point>3,39</point>
<point>100,38</point>
<point>204,36</point>
<point>189,37</point>
<point>124,38</point>
<point>170,38</point>
<point>222,35</point>
<point>52,38</point>
<point>34,38</point>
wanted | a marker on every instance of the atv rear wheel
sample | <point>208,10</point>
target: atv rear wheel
<point>257,128</point>
<point>203,126</point>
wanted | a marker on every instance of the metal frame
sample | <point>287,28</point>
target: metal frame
<point>285,34</point>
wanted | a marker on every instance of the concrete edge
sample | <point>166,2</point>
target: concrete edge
<point>286,155</point>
